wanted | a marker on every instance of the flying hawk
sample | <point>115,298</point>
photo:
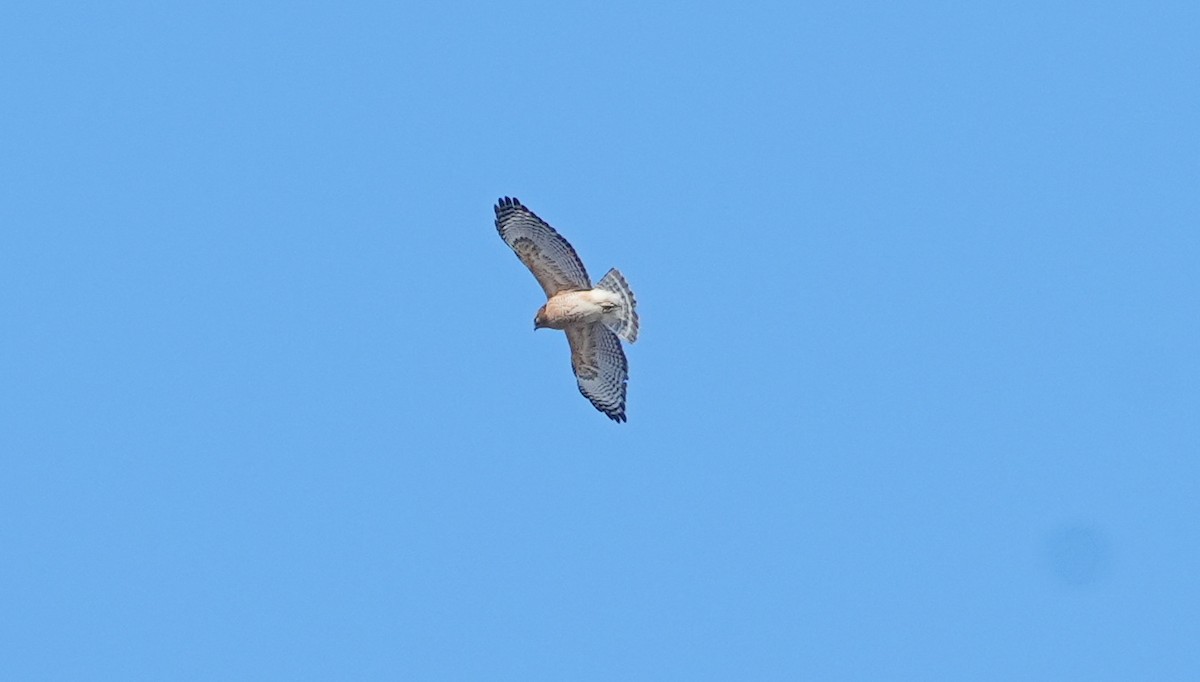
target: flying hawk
<point>592,317</point>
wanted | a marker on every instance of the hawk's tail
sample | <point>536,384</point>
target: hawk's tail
<point>624,320</point>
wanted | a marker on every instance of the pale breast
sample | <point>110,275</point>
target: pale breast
<point>572,307</point>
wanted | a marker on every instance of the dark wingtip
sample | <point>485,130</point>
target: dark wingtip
<point>507,202</point>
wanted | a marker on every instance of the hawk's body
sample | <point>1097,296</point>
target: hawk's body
<point>592,317</point>
<point>578,307</point>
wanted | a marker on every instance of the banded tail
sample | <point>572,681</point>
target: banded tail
<point>623,321</point>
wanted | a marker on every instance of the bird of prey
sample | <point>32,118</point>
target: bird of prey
<point>592,317</point>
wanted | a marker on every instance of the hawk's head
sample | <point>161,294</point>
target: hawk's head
<point>539,320</point>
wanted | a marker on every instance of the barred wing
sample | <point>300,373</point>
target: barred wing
<point>543,250</point>
<point>600,367</point>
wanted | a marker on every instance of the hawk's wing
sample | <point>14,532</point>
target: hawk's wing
<point>600,367</point>
<point>547,255</point>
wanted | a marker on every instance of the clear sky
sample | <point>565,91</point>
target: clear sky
<point>916,395</point>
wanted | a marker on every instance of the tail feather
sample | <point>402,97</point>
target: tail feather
<point>624,320</point>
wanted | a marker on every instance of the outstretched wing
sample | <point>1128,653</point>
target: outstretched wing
<point>547,255</point>
<point>600,367</point>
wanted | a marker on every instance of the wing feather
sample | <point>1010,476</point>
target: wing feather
<point>600,367</point>
<point>548,256</point>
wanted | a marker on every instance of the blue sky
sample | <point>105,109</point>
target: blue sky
<point>915,396</point>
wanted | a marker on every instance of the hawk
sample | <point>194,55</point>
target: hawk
<point>594,318</point>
